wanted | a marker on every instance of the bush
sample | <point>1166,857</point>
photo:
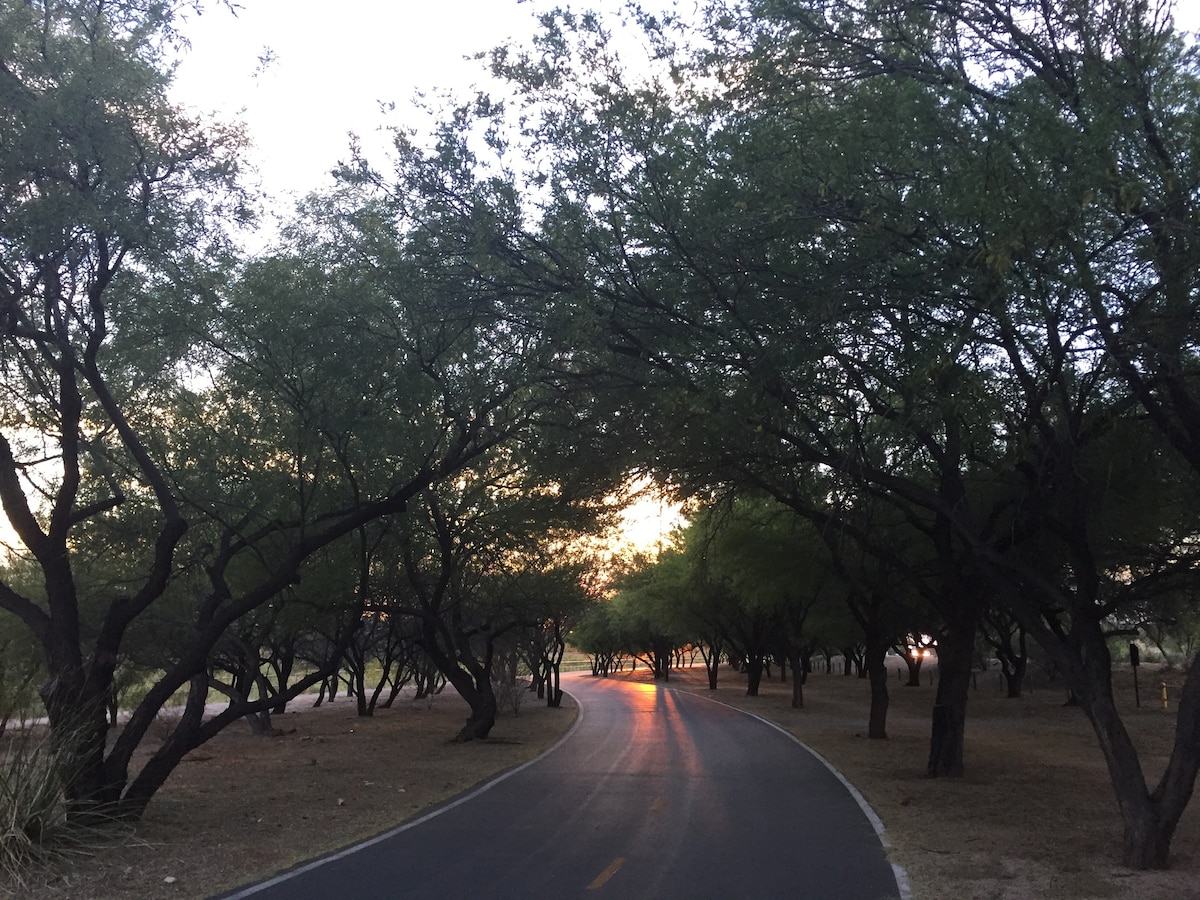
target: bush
<point>509,695</point>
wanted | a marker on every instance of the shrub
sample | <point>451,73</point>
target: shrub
<point>508,696</point>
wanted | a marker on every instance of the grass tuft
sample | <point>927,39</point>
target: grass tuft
<point>35,828</point>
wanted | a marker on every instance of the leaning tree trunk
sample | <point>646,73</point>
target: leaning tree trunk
<point>402,677</point>
<point>472,680</point>
<point>184,737</point>
<point>1148,818</point>
<point>482,700</point>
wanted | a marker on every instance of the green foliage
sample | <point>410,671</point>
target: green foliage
<point>20,674</point>
<point>914,285</point>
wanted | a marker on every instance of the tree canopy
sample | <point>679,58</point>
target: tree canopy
<point>902,295</point>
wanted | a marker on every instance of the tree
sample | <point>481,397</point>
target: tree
<point>346,374</point>
<point>872,317</point>
<point>782,330</point>
<point>550,601</point>
<point>1007,640</point>
<point>645,611</point>
<point>108,197</point>
<point>597,635</point>
<point>475,569</point>
<point>768,575</point>
<point>1089,121</point>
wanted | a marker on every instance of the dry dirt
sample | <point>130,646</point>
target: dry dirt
<point>1033,818</point>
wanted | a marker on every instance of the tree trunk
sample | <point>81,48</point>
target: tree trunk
<point>361,705</point>
<point>181,740</point>
<point>956,651</point>
<point>914,669</point>
<point>283,672</point>
<point>876,669</point>
<point>483,713</point>
<point>555,693</point>
<point>754,675</point>
<point>1147,830</point>
<point>260,723</point>
<point>401,678</point>
<point>797,663</point>
<point>661,653</point>
<point>711,654</point>
<point>320,696</point>
<point>77,706</point>
<point>384,683</point>
<point>1014,677</point>
<point>468,674</point>
<point>1148,819</point>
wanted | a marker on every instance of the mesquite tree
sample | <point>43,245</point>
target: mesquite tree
<point>181,435</point>
<point>941,255</point>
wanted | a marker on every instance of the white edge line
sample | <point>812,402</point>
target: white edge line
<point>399,829</point>
<point>898,872</point>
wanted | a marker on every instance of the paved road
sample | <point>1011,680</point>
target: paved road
<point>654,794</point>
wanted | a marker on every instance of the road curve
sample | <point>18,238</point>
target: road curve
<point>654,794</point>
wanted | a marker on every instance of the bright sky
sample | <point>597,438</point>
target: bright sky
<point>335,64</point>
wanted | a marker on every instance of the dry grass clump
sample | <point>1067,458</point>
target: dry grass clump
<point>32,816</point>
<point>35,829</point>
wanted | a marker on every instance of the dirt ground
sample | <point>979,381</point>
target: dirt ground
<point>1034,816</point>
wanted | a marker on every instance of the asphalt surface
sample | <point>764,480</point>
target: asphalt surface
<point>653,794</point>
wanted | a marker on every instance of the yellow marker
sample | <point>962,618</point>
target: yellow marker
<point>1164,685</point>
<point>608,873</point>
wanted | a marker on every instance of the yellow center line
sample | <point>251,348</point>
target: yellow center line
<point>608,873</point>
